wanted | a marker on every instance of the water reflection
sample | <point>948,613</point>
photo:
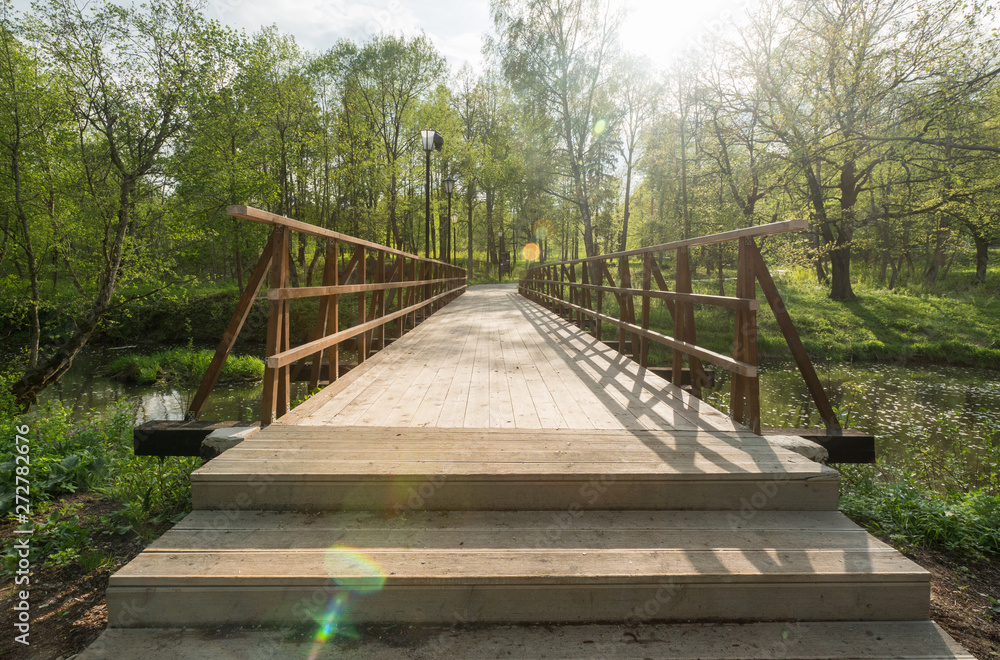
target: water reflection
<point>928,405</point>
<point>85,388</point>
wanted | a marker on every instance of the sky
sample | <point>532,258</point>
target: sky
<point>660,29</point>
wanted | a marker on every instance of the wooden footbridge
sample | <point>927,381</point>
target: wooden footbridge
<point>496,481</point>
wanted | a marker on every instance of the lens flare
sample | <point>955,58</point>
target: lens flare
<point>356,576</point>
<point>542,230</point>
<point>600,126</point>
<point>353,571</point>
<point>531,252</point>
<point>329,624</point>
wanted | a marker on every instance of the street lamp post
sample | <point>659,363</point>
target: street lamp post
<point>501,255</point>
<point>449,187</point>
<point>432,141</point>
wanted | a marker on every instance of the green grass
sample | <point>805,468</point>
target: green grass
<point>961,327</point>
<point>183,365</point>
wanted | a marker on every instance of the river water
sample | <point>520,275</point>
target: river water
<point>927,405</point>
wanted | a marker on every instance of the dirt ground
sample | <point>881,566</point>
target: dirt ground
<point>69,610</point>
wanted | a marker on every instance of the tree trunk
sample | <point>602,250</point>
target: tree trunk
<point>937,257</point>
<point>840,255</point>
<point>883,268</point>
<point>625,213</point>
<point>982,258</point>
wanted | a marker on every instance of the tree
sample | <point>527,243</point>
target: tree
<point>392,75</point>
<point>557,55</point>
<point>833,72</point>
<point>131,75</point>
<point>637,94</point>
<point>31,122</point>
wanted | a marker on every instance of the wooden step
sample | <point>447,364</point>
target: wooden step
<point>249,568</point>
<point>305,468</point>
<point>902,640</point>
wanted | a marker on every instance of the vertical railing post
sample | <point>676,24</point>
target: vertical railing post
<point>585,280</point>
<point>415,290</point>
<point>380,278</point>
<point>745,390</point>
<point>683,272</point>
<point>362,303</point>
<point>323,319</point>
<point>561,277</point>
<point>574,297</point>
<point>269,405</point>
<point>403,297</point>
<point>628,302</point>
<point>647,280</point>
<point>333,322</point>
<point>600,299</point>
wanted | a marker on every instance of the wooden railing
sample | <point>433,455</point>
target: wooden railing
<point>389,286</point>
<point>578,294</point>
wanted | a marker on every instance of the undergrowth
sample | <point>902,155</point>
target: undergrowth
<point>94,456</point>
<point>947,499</point>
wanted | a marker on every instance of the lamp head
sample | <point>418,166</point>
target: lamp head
<point>431,140</point>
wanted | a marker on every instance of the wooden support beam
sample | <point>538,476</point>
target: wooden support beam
<point>672,296</point>
<point>265,217</point>
<point>794,342</point>
<point>711,239</point>
<point>173,437</point>
<point>344,289</point>
<point>239,317</point>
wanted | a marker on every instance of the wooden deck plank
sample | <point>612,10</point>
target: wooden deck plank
<point>617,524</point>
<point>656,402</point>
<point>570,379</point>
<point>477,410</point>
<point>523,565</point>
<point>452,413</point>
<point>439,395</point>
<point>501,407</point>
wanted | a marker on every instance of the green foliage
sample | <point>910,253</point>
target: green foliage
<point>957,327</point>
<point>96,456</point>
<point>929,499</point>
<point>184,366</point>
<point>57,540</point>
<point>63,458</point>
<point>964,523</point>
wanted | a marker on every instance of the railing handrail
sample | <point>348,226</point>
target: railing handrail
<point>547,282</point>
<point>429,285</point>
<point>268,218</point>
<point>770,229</point>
